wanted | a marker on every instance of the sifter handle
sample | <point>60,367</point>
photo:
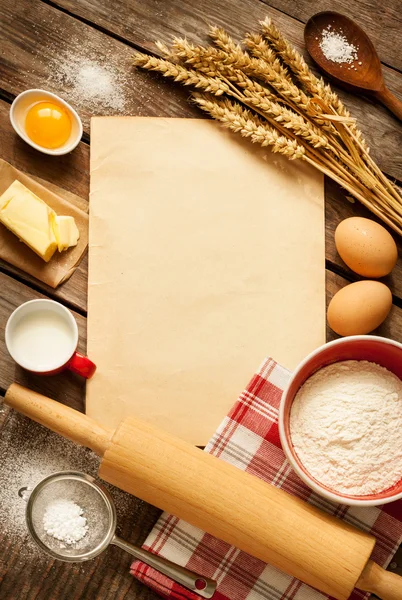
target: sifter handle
<point>203,586</point>
<point>59,418</point>
<point>375,579</point>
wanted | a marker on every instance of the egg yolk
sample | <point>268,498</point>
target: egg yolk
<point>48,124</point>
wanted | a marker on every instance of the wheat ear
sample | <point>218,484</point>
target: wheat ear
<point>180,74</point>
<point>217,63</point>
<point>241,120</point>
<point>259,48</point>
<point>222,39</point>
<point>314,85</point>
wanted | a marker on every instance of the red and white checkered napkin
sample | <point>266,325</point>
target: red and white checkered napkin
<point>248,438</point>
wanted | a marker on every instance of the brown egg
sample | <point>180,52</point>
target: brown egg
<point>359,308</point>
<point>366,247</point>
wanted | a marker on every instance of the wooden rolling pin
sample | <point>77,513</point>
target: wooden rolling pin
<point>217,497</point>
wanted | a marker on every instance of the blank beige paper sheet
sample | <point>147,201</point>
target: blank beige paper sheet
<point>206,255</point>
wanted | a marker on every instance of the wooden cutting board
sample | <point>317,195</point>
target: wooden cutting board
<point>206,255</point>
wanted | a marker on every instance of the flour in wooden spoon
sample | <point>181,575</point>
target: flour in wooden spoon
<point>336,47</point>
<point>346,427</point>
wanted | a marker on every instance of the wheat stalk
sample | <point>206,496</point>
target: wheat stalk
<point>297,64</point>
<point>180,73</point>
<point>222,39</point>
<point>236,69</point>
<point>314,85</point>
<point>241,59</point>
<point>259,48</point>
<point>268,94</point>
<point>242,121</point>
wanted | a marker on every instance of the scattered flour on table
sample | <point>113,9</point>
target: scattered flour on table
<point>98,86</point>
<point>346,427</point>
<point>94,72</point>
<point>28,454</point>
<point>336,47</point>
<point>93,77</point>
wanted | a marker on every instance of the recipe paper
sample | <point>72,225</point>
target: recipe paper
<point>62,264</point>
<point>206,253</point>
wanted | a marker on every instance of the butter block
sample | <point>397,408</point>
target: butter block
<point>29,218</point>
<point>66,232</point>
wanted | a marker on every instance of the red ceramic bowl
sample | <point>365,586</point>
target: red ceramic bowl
<point>382,351</point>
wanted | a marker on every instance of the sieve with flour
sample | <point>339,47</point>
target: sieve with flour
<point>100,513</point>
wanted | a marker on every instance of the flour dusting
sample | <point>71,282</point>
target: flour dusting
<point>98,86</point>
<point>346,427</point>
<point>29,453</point>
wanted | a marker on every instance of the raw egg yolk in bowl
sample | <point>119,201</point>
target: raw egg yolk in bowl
<point>48,124</point>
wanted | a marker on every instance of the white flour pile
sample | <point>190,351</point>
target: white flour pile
<point>346,427</point>
<point>63,520</point>
<point>336,47</point>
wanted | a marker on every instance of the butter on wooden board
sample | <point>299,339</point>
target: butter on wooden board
<point>66,232</point>
<point>35,223</point>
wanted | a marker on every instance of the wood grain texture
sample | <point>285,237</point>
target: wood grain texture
<point>58,417</point>
<point>65,387</point>
<point>73,292</point>
<point>36,39</point>
<point>382,21</point>
<point>387,585</point>
<point>69,388</point>
<point>392,326</point>
<point>207,492</point>
<point>141,23</point>
<point>27,574</point>
<point>367,78</point>
<point>70,172</point>
<point>39,41</point>
<point>337,208</point>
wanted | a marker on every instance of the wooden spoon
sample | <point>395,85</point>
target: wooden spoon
<point>364,78</point>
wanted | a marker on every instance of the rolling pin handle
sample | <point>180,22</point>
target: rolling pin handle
<point>375,579</point>
<point>62,419</point>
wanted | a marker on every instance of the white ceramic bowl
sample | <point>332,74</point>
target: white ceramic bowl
<point>384,352</point>
<point>23,103</point>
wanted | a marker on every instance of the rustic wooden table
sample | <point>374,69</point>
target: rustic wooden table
<point>39,38</point>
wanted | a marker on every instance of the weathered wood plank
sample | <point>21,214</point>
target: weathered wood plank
<point>338,208</point>
<point>73,292</point>
<point>382,23</point>
<point>68,388</point>
<point>392,326</point>
<point>36,39</point>
<point>70,172</point>
<point>65,387</point>
<point>108,574</point>
<point>39,41</point>
<point>27,573</point>
<point>142,23</point>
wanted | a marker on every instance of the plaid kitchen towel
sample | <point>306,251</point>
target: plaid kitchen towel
<point>249,439</point>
